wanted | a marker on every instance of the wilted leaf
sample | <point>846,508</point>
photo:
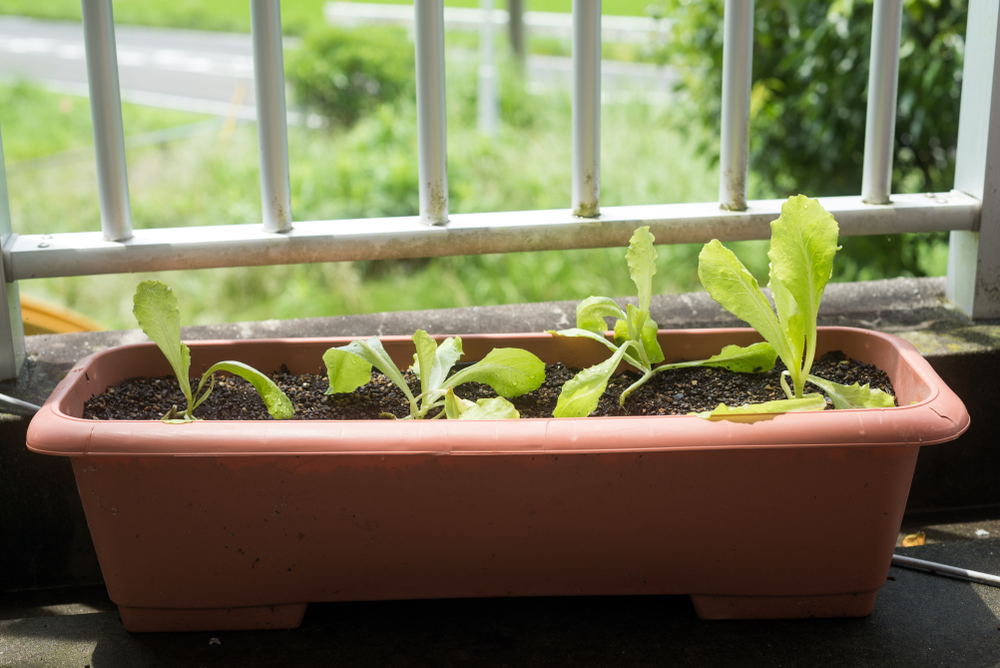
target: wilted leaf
<point>914,539</point>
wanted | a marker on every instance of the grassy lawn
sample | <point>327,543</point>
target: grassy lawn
<point>234,15</point>
<point>38,124</point>
<point>368,170</point>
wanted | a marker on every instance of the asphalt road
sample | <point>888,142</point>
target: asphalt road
<point>210,72</point>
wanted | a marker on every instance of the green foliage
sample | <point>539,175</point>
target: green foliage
<point>635,339</point>
<point>496,408</point>
<point>810,72</point>
<point>803,244</point>
<point>367,170</point>
<point>853,396</point>
<point>37,124</point>
<point>808,105</point>
<point>511,372</point>
<point>344,74</point>
<point>155,309</point>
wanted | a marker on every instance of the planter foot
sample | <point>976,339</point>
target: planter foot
<point>859,604</point>
<point>288,616</point>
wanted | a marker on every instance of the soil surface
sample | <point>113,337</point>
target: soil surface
<point>675,392</point>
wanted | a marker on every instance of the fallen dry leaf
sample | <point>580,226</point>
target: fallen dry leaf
<point>918,538</point>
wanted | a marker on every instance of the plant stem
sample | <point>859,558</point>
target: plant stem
<point>784,386</point>
<point>634,386</point>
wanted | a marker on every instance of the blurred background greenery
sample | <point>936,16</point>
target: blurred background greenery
<point>810,75</point>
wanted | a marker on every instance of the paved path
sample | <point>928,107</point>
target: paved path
<point>209,72</point>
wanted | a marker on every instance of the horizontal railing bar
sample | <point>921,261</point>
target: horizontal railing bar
<point>163,249</point>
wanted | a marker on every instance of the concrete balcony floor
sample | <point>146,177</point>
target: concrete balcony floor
<point>919,620</point>
<point>55,612</point>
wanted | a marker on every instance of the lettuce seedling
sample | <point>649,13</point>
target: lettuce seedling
<point>803,244</point>
<point>511,372</point>
<point>155,308</point>
<point>635,339</point>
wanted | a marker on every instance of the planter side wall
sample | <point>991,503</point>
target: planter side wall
<point>243,532</point>
<point>756,518</point>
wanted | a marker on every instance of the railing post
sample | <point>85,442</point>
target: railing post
<point>487,101</point>
<point>11,326</point>
<point>737,74</point>
<point>587,108</point>
<point>974,257</point>
<point>883,82</point>
<point>272,122</point>
<point>106,114</point>
<point>432,124</point>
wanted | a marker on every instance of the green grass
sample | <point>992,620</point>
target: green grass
<point>369,170</point>
<point>36,123</point>
<point>234,15</point>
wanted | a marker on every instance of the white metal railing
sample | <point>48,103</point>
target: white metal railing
<point>971,212</point>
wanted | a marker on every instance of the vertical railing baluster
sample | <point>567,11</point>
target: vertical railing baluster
<point>883,83</point>
<point>106,114</point>
<point>11,325</point>
<point>272,121</point>
<point>587,108</point>
<point>974,257</point>
<point>737,79</point>
<point>487,107</point>
<point>432,125</point>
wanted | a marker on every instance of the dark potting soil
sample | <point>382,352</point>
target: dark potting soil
<point>676,392</point>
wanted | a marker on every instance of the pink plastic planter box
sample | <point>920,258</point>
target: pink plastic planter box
<point>236,525</point>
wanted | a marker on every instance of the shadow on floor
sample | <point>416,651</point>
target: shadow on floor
<point>919,620</point>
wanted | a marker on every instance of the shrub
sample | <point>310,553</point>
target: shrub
<point>810,72</point>
<point>808,106</point>
<point>344,74</point>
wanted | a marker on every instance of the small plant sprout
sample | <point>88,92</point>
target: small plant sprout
<point>511,372</point>
<point>635,339</point>
<point>803,244</point>
<point>155,308</point>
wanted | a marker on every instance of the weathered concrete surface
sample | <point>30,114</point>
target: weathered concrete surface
<point>40,512</point>
<point>919,620</point>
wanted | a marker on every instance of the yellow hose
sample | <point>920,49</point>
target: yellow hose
<point>41,317</point>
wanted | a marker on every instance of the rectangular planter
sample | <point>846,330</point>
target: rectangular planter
<point>235,525</point>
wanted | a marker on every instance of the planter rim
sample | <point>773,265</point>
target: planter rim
<point>940,416</point>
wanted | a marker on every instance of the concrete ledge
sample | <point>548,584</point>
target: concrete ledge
<point>40,511</point>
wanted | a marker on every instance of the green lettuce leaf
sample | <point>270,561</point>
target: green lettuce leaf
<point>854,396</point>
<point>755,358</point>
<point>155,309</point>
<point>454,405</point>
<point>496,408</point>
<point>576,332</point>
<point>374,355</point>
<point>810,402</point>
<point>438,359</point>
<point>277,403</point>
<point>640,327</point>
<point>803,244</point>
<point>641,259</point>
<point>511,372</point>
<point>345,371</point>
<point>736,290</point>
<point>581,394</point>
<point>592,311</point>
